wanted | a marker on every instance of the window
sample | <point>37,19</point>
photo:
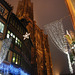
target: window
<point>1,27</point>
<point>9,56</point>
<point>16,59</point>
<point>1,10</point>
<point>17,41</point>
<point>13,57</point>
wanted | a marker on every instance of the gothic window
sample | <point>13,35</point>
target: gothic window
<point>1,27</point>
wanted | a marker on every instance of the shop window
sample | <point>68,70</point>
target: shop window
<point>14,58</point>
<point>1,27</point>
<point>17,60</point>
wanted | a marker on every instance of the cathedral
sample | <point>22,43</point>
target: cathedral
<point>30,56</point>
<point>71,6</point>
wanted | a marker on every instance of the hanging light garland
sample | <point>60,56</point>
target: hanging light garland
<point>56,33</point>
<point>11,69</point>
<point>4,49</point>
<point>70,36</point>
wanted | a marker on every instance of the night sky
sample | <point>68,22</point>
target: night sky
<point>46,11</point>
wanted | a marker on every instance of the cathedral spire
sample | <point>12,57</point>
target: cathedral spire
<point>25,9</point>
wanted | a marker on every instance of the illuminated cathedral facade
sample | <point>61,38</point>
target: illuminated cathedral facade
<point>71,7</point>
<point>25,57</point>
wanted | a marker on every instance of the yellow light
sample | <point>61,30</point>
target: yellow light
<point>13,59</point>
<point>16,63</point>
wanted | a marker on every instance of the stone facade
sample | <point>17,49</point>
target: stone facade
<point>71,6</point>
<point>40,52</point>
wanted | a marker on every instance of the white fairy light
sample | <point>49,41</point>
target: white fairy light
<point>69,62</point>
<point>4,49</point>
<point>56,32</point>
<point>26,36</point>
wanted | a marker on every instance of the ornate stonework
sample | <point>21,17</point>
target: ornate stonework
<point>40,52</point>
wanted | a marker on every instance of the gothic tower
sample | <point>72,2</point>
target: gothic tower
<point>25,9</point>
<point>40,52</point>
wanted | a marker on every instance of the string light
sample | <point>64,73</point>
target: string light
<point>56,32</point>
<point>11,69</point>
<point>60,19</point>
<point>4,49</point>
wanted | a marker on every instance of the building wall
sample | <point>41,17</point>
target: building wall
<point>40,52</point>
<point>19,53</point>
<point>43,56</point>
<point>25,8</point>
<point>71,7</point>
<point>25,54</point>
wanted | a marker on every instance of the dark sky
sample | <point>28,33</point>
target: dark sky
<point>46,11</point>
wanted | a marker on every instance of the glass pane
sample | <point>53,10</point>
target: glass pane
<point>7,35</point>
<point>16,38</point>
<point>1,9</point>
<point>15,41</point>
<point>1,27</point>
<point>11,34</point>
<point>13,59</point>
<point>17,59</point>
<point>8,32</point>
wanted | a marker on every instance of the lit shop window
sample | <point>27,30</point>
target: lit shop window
<point>16,58</point>
<point>1,27</point>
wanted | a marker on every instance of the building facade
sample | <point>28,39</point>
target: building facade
<point>19,54</point>
<point>40,52</point>
<point>31,56</point>
<point>71,7</point>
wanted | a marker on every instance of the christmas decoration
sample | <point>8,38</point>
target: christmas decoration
<point>11,69</point>
<point>70,36</point>
<point>56,32</point>
<point>4,49</point>
<point>26,36</point>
